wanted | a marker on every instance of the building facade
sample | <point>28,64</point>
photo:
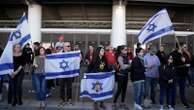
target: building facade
<point>100,22</point>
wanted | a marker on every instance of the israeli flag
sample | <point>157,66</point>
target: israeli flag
<point>97,86</point>
<point>20,36</point>
<point>62,65</point>
<point>157,26</point>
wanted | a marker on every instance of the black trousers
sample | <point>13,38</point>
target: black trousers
<point>122,88</point>
<point>15,88</point>
<point>50,84</point>
<point>66,88</point>
<point>1,84</point>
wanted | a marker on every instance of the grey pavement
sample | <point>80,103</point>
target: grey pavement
<point>30,103</point>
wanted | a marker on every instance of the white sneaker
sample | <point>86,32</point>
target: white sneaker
<point>6,86</point>
<point>161,107</point>
<point>138,107</point>
<point>170,107</point>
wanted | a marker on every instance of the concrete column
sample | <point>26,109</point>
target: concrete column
<point>35,20</point>
<point>193,35</point>
<point>118,34</point>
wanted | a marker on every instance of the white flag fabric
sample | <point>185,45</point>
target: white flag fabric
<point>157,26</point>
<point>97,86</point>
<point>62,65</point>
<point>20,36</point>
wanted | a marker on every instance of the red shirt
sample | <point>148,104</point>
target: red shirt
<point>110,56</point>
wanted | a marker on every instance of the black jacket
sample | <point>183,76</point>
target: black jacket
<point>161,56</point>
<point>137,70</point>
<point>167,72</point>
<point>181,70</point>
<point>94,66</point>
<point>27,52</point>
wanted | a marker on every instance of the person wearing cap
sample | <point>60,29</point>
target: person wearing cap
<point>138,78</point>
<point>152,64</point>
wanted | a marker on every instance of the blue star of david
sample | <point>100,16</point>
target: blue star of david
<point>151,27</point>
<point>17,34</point>
<point>97,86</point>
<point>64,65</point>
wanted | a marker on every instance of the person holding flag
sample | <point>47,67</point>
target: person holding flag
<point>11,61</point>
<point>181,66</point>
<point>16,78</point>
<point>66,83</point>
<point>98,64</point>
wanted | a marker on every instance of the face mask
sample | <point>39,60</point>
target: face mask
<point>141,57</point>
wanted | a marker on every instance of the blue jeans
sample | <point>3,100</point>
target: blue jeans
<point>33,82</point>
<point>150,88</point>
<point>170,93</point>
<point>138,88</point>
<point>40,82</point>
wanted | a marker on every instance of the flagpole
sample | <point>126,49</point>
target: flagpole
<point>160,41</point>
<point>176,39</point>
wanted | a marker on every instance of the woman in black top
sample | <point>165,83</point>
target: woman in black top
<point>16,78</point>
<point>122,75</point>
<point>138,78</point>
<point>98,64</point>
<point>167,81</point>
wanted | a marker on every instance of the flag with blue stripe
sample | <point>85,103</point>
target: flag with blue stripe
<point>22,33</point>
<point>97,86</point>
<point>157,26</point>
<point>62,65</point>
<point>20,36</point>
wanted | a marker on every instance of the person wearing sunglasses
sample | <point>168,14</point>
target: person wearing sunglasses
<point>66,83</point>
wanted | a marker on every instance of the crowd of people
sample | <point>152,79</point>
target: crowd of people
<point>146,69</point>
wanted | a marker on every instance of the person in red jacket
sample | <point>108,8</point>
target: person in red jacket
<point>110,56</point>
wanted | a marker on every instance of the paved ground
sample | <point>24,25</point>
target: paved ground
<point>30,102</point>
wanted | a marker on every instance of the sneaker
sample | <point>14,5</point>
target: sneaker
<point>48,95</point>
<point>186,105</point>
<point>6,86</point>
<point>170,107</point>
<point>138,107</point>
<point>62,103</point>
<point>161,107</point>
